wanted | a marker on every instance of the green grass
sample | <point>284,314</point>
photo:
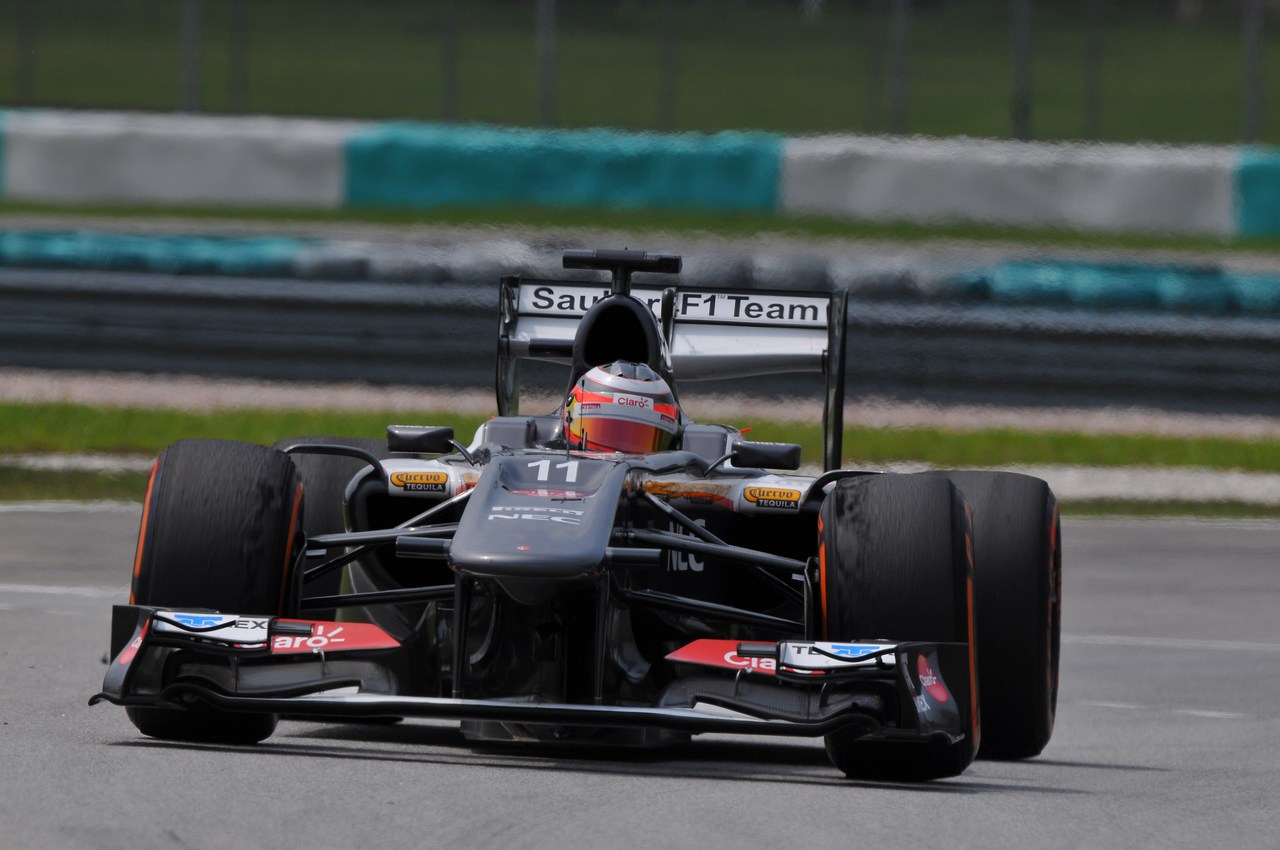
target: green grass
<point>755,64</point>
<point>70,428</point>
<point>1005,447</point>
<point>58,428</point>
<point>32,485</point>
<point>47,428</point>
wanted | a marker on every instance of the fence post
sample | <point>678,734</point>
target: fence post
<point>25,38</point>
<point>667,30</point>
<point>876,25</point>
<point>900,37</point>
<point>1021,100</point>
<point>450,87</point>
<point>238,57</point>
<point>1252,20</point>
<point>190,71</point>
<point>546,49</point>
<point>1093,70</point>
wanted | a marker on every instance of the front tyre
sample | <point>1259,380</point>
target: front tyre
<point>221,529</point>
<point>1018,591</point>
<point>895,564</point>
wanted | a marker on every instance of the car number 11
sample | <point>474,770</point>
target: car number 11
<point>544,470</point>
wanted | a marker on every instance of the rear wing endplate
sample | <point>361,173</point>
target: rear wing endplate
<point>711,333</point>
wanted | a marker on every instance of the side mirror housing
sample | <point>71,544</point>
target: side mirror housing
<point>766,455</point>
<point>419,439</point>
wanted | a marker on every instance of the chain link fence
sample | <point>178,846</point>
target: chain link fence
<point>1177,71</point>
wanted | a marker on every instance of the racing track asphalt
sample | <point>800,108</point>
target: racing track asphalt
<point>1168,733</point>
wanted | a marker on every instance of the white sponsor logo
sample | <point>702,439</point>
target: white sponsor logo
<point>536,513</point>
<point>320,639</point>
<point>720,307</point>
<point>750,663</point>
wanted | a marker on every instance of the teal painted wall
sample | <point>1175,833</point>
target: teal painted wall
<point>428,165</point>
<point>1258,192</point>
<point>264,256</point>
<point>1175,288</point>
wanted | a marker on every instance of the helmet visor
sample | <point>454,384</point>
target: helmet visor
<point>618,435</point>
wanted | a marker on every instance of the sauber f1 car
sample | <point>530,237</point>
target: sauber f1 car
<point>612,572</point>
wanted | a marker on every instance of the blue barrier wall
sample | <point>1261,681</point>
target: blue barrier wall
<point>238,256</point>
<point>1208,288</point>
<point>429,165</point>
<point>1160,287</point>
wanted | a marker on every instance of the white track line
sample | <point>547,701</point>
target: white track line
<point>67,507</point>
<point>1169,643</point>
<point>63,590</point>
<point>1198,713</point>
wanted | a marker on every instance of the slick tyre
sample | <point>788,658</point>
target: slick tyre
<point>1017,589</point>
<point>221,529</point>
<point>894,564</point>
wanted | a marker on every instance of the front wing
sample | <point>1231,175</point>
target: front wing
<point>907,692</point>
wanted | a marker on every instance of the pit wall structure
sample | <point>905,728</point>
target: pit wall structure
<point>127,158</point>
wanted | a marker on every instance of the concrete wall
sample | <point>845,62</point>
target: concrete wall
<point>96,157</point>
<point>104,157</point>
<point>1077,187</point>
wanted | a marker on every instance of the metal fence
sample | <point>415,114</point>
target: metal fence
<point>1117,70</point>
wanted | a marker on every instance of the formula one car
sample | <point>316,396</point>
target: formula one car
<point>612,572</point>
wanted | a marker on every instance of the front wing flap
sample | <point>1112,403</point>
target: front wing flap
<point>153,649</point>
<point>888,691</point>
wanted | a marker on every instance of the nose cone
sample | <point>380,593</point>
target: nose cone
<point>543,516</point>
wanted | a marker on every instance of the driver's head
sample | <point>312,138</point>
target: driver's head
<point>621,407</point>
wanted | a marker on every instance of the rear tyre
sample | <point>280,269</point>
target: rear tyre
<point>221,529</point>
<point>1018,597</point>
<point>325,479</point>
<point>895,565</point>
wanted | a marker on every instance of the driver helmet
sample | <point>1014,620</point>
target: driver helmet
<point>621,407</point>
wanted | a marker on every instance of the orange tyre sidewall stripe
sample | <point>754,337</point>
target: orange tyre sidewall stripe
<point>286,572</point>
<point>142,532</point>
<point>822,576</point>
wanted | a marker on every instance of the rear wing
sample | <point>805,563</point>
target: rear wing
<point>710,332</point>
